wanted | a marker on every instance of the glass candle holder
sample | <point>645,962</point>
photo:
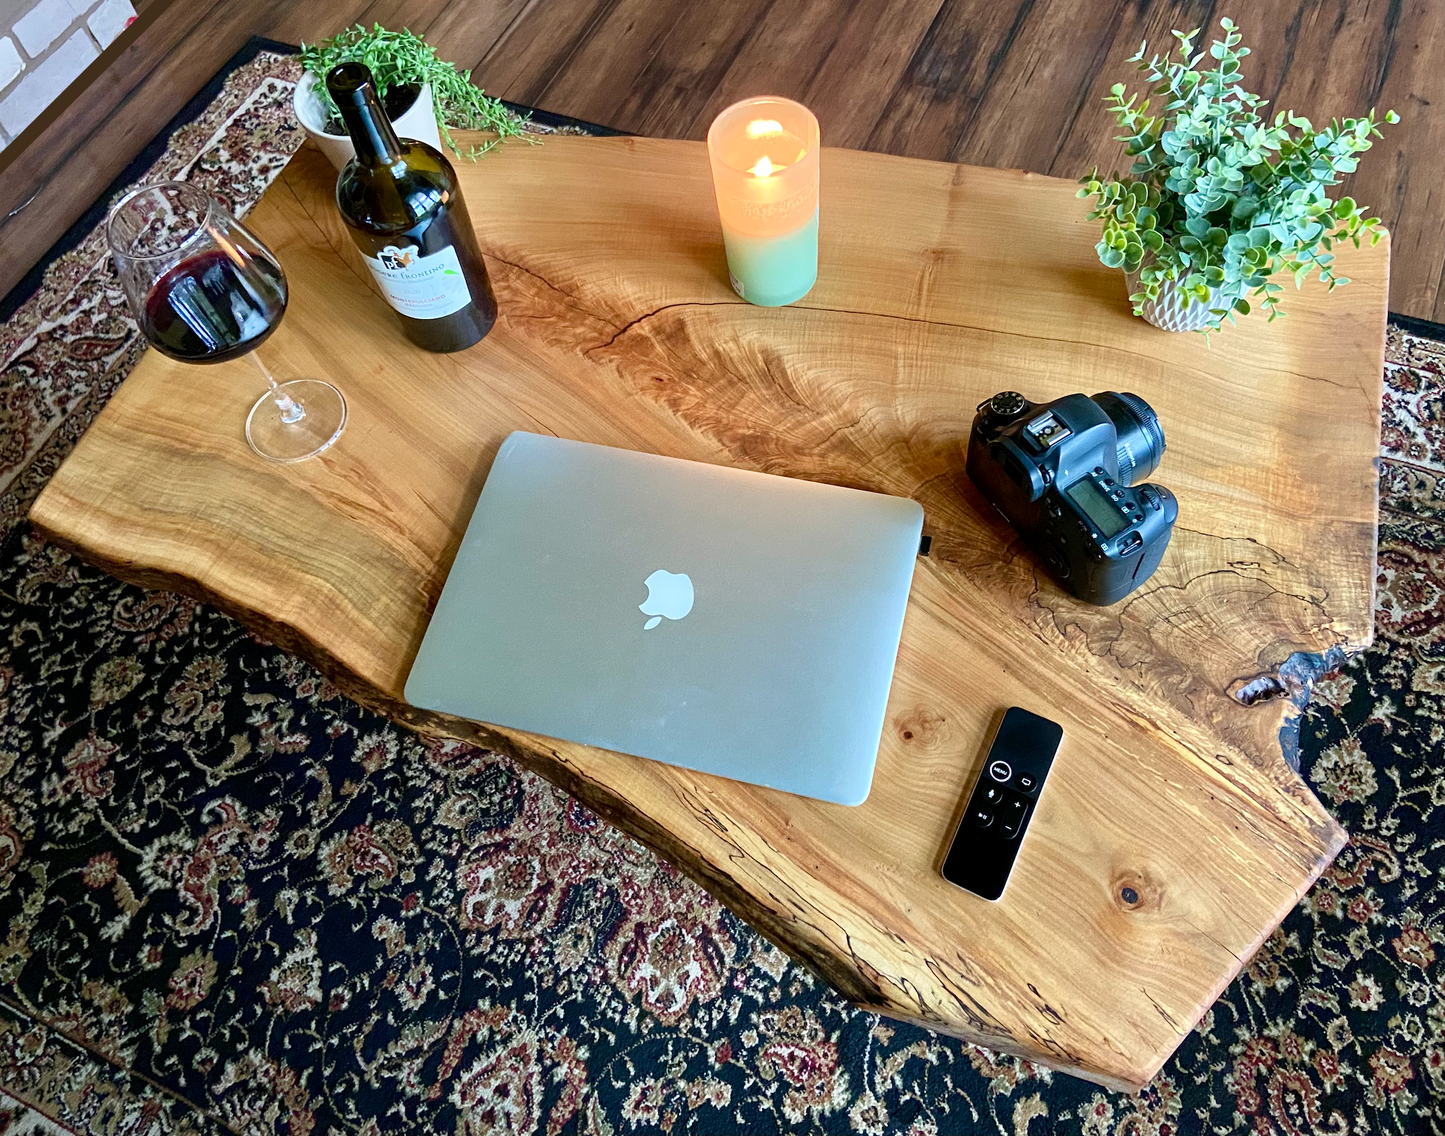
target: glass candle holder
<point>764,155</point>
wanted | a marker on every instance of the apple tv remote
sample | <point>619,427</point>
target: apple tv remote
<point>1002,803</point>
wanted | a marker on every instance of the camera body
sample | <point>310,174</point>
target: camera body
<point>1062,474</point>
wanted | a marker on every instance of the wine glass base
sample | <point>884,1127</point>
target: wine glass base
<point>314,432</point>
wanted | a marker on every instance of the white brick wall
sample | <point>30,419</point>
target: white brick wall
<point>109,20</point>
<point>10,63</point>
<point>39,89</point>
<point>43,25</point>
<point>58,39</point>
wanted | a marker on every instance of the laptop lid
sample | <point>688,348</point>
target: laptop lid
<point>731,622</point>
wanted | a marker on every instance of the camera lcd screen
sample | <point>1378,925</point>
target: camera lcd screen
<point>1098,508</point>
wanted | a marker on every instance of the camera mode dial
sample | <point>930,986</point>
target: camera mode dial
<point>1007,404</point>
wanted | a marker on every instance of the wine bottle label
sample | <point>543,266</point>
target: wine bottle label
<point>423,287</point>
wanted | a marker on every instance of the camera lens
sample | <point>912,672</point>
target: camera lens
<point>1141,438</point>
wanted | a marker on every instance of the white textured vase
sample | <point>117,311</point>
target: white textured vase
<point>1171,311</point>
<point>419,122</point>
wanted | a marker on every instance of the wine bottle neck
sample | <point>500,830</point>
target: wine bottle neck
<point>354,92</point>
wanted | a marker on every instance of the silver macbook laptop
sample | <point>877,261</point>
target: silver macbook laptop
<point>731,622</point>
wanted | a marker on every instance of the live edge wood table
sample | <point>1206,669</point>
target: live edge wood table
<point>1173,836</point>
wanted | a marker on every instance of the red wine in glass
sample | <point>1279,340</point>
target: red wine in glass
<point>204,289</point>
<point>204,310</point>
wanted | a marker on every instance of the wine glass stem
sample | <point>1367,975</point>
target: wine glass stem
<point>291,410</point>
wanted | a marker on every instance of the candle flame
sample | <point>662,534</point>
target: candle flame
<point>761,126</point>
<point>764,167</point>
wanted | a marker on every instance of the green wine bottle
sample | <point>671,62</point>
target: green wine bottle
<point>401,201</point>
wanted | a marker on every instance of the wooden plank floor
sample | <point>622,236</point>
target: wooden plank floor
<point>1013,83</point>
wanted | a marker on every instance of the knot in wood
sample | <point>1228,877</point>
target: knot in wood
<point>1133,891</point>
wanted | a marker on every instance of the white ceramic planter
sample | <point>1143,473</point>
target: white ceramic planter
<point>419,122</point>
<point>1170,311</point>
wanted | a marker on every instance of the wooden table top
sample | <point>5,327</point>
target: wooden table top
<point>938,286</point>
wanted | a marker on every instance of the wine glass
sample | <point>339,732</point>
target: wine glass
<point>204,290</point>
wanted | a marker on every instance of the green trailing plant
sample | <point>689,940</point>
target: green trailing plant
<point>1219,199</point>
<point>400,58</point>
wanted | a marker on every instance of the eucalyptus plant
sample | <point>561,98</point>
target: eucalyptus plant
<point>399,58</point>
<point>1219,199</point>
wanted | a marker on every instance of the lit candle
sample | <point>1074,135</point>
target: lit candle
<point>764,155</point>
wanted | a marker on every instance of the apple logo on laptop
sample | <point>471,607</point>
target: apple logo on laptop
<point>669,594</point>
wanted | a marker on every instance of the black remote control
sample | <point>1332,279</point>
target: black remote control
<point>1003,800</point>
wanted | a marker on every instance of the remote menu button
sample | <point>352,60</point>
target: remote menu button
<point>1000,771</point>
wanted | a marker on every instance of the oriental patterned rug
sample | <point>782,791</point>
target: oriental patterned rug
<point>233,901</point>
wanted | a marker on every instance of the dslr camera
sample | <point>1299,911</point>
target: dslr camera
<point>1062,473</point>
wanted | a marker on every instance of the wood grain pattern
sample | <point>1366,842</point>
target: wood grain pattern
<point>847,60</point>
<point>939,94</point>
<point>618,327</point>
<point>1015,83</point>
